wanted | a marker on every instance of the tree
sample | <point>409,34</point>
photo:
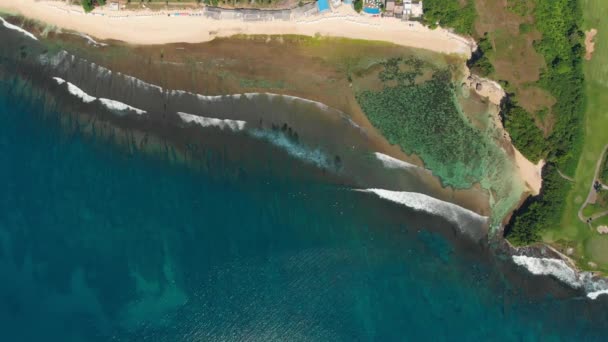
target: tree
<point>87,5</point>
<point>358,4</point>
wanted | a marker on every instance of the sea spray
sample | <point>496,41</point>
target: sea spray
<point>234,125</point>
<point>118,106</point>
<point>593,287</point>
<point>469,222</point>
<point>426,119</point>
<point>17,28</point>
<point>113,105</point>
<point>310,155</point>
<point>394,163</point>
<point>74,90</point>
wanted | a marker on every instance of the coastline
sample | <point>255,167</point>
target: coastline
<point>135,28</point>
<point>528,171</point>
<point>448,193</point>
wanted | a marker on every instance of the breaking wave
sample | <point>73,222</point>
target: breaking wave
<point>108,103</point>
<point>64,61</point>
<point>234,125</point>
<point>394,163</point>
<point>314,156</point>
<point>90,40</point>
<point>17,28</point>
<point>461,217</point>
<point>120,106</point>
<point>559,269</point>
<point>74,90</point>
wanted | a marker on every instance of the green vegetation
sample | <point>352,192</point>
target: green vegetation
<point>558,22</point>
<point>459,15</point>
<point>480,61</point>
<point>604,172</point>
<point>525,28</point>
<point>589,245</point>
<point>358,4</point>
<point>89,5</point>
<point>540,212</point>
<point>413,114</point>
<point>519,7</point>
<point>526,136</point>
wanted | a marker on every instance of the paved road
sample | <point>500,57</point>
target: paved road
<point>592,192</point>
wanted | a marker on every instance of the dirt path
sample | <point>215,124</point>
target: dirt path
<point>589,43</point>
<point>598,215</point>
<point>565,177</point>
<point>592,192</point>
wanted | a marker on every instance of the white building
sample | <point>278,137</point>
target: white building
<point>412,8</point>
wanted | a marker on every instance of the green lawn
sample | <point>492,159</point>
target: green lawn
<point>590,246</point>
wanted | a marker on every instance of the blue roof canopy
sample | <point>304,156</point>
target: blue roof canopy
<point>371,10</point>
<point>323,5</point>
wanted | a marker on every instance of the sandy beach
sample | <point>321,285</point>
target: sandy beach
<point>530,173</point>
<point>148,27</point>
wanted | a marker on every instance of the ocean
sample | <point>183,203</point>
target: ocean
<point>239,238</point>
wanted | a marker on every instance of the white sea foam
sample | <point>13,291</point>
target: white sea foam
<point>316,103</point>
<point>138,82</point>
<point>458,215</point>
<point>394,163</point>
<point>548,266</point>
<point>103,72</point>
<point>91,40</point>
<point>64,61</point>
<point>595,294</point>
<point>108,103</point>
<point>17,28</point>
<point>251,96</point>
<point>314,156</point>
<point>54,60</point>
<point>59,80</point>
<point>559,269</point>
<point>234,125</point>
<point>209,98</point>
<point>120,106</point>
<point>74,90</point>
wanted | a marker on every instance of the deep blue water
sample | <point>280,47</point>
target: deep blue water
<point>99,244</point>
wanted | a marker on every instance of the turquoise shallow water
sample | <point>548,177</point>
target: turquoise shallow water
<point>101,243</point>
<point>97,244</point>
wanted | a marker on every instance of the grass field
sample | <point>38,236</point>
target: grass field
<point>589,245</point>
<point>516,63</point>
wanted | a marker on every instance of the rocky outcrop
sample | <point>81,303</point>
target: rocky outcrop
<point>485,88</point>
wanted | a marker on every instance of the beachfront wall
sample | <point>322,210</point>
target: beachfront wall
<point>260,15</point>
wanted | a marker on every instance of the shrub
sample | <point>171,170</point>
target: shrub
<point>450,13</point>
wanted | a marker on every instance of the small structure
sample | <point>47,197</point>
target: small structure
<point>398,12</point>
<point>412,8</point>
<point>114,6</point>
<point>389,8</point>
<point>323,5</point>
